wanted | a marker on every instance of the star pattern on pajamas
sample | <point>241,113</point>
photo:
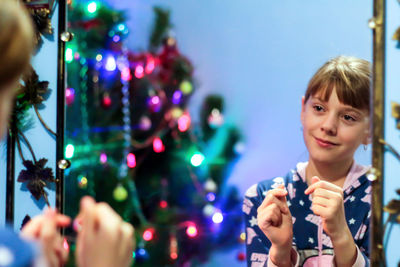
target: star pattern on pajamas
<point>305,222</point>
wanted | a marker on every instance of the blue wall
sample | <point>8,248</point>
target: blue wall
<point>259,55</point>
<point>44,144</point>
<point>392,135</point>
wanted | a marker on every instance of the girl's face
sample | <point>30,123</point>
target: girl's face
<point>333,131</point>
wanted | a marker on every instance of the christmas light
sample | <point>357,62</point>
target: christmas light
<point>148,234</point>
<point>141,252</point>
<point>131,160</point>
<point>176,97</point>
<point>92,7</point>
<point>210,197</point>
<point>141,255</point>
<point>243,236</point>
<point>110,63</point>
<point>158,145</point>
<point>82,181</point>
<point>184,123</point>
<point>144,123</point>
<point>99,57</point>
<point>215,119</point>
<point>208,210</point>
<point>69,151</point>
<point>217,217</point>
<point>69,55</point>
<point>154,103</point>
<point>197,159</point>
<point>69,96</point>
<point>121,27</point>
<point>126,74</point>
<point>176,113</point>
<point>106,102</point>
<point>239,148</point>
<point>151,64</point>
<point>191,231</point>
<point>139,72</point>
<point>163,204</point>
<point>186,87</point>
<point>241,256</point>
<point>116,38</point>
<point>210,185</point>
<point>173,247</point>
<point>103,158</point>
<point>120,193</point>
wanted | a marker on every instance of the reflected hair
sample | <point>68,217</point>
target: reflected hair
<point>16,41</point>
<point>349,76</point>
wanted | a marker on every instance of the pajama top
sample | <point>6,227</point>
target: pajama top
<point>312,247</point>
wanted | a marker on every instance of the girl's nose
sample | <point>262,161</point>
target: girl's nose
<point>329,125</point>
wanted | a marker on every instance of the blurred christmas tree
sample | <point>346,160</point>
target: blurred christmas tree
<point>132,144</point>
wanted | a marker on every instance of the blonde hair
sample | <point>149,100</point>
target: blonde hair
<point>349,76</point>
<point>16,41</point>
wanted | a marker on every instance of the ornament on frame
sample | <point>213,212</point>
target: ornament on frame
<point>41,12</point>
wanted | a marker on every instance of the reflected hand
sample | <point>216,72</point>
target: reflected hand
<point>104,238</point>
<point>44,229</point>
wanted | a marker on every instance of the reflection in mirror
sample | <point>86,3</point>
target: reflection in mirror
<point>174,112</point>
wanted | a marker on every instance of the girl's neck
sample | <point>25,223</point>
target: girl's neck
<point>335,173</point>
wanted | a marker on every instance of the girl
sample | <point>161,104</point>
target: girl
<point>318,214</point>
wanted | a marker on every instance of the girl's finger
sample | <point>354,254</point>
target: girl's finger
<point>325,193</point>
<point>270,199</point>
<point>319,210</point>
<point>277,193</point>
<point>322,184</point>
<point>324,202</point>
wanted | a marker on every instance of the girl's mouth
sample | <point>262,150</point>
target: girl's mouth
<point>324,143</point>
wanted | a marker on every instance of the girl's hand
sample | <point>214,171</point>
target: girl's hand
<point>275,220</point>
<point>327,202</point>
<point>104,239</point>
<point>44,229</point>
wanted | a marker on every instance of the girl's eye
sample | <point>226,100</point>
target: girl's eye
<point>318,108</point>
<point>349,118</point>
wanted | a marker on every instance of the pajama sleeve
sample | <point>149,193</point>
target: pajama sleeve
<point>257,245</point>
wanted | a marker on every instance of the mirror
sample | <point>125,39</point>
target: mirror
<point>173,134</point>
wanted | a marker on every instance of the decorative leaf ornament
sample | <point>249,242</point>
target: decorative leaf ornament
<point>41,15</point>
<point>34,93</point>
<point>396,35</point>
<point>26,219</point>
<point>36,176</point>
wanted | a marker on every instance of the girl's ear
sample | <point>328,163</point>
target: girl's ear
<point>367,138</point>
<point>302,110</point>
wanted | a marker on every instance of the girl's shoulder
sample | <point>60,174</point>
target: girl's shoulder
<point>13,250</point>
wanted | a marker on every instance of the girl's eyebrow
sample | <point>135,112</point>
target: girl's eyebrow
<point>318,99</point>
<point>355,110</point>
